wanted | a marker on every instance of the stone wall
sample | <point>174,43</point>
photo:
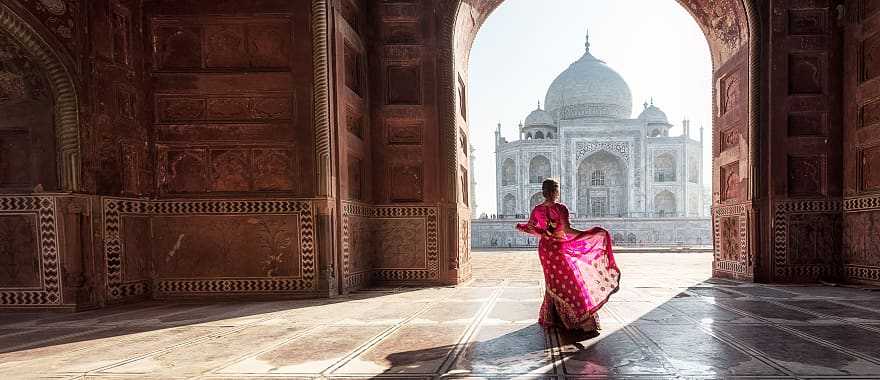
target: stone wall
<point>861,146</point>
<point>500,233</point>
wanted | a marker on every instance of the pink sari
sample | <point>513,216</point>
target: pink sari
<point>579,271</point>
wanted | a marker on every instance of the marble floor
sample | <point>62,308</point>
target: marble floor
<point>668,321</point>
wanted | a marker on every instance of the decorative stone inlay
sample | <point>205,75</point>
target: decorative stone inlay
<point>618,148</point>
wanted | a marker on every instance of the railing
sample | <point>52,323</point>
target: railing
<point>628,215</point>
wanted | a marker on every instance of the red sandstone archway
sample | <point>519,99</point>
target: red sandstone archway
<point>731,29</point>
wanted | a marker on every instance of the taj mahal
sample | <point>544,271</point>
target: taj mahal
<point>626,174</point>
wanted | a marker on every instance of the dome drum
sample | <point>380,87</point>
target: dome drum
<point>599,110</point>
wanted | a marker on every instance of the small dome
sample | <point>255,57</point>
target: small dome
<point>589,88</point>
<point>539,117</point>
<point>653,114</point>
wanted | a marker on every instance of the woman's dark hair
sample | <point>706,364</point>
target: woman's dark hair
<point>549,187</point>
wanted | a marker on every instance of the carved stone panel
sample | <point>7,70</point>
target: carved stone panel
<point>355,178</point>
<point>361,244</point>
<point>732,92</point>
<point>230,170</point>
<point>402,243</point>
<point>730,182</point>
<point>274,169</point>
<point>806,175</point>
<point>869,162</point>
<point>212,43</point>
<point>729,138</point>
<point>813,239</point>
<point>869,114</point>
<point>808,124</point>
<point>406,33</point>
<point>806,74</point>
<point>268,45</point>
<point>353,69</point>
<point>136,239</point>
<point>731,244</point>
<point>404,85</point>
<point>861,240</point>
<point>178,47</point>
<point>212,247</point>
<point>870,57</point>
<point>224,45</point>
<point>404,132</point>
<point>407,182</point>
<point>807,22</point>
<point>183,170</point>
<point>19,251</point>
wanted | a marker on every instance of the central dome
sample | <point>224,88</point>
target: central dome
<point>589,88</point>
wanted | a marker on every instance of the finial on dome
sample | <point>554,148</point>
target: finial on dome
<point>652,100</point>
<point>587,44</point>
<point>645,105</point>
<point>539,104</point>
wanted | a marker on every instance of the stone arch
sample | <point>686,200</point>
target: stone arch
<point>733,32</point>
<point>665,204</point>
<point>64,96</point>
<point>539,169</point>
<point>665,168</point>
<point>508,205</point>
<point>508,173</point>
<point>539,135</point>
<point>536,199</point>
<point>608,197</point>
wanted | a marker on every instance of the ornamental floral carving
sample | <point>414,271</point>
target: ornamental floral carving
<point>618,148</point>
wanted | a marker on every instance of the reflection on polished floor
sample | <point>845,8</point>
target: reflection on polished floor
<point>668,321</point>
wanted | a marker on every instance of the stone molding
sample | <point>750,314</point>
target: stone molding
<point>64,92</point>
<point>43,210</point>
<point>113,209</point>
<point>430,216</point>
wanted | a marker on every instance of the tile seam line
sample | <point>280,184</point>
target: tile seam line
<point>733,342</point>
<point>470,332</point>
<point>372,342</point>
<point>784,328</point>
<point>98,371</point>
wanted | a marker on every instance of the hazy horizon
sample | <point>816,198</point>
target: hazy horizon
<point>655,45</point>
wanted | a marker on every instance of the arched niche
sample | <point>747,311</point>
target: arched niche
<point>602,185</point>
<point>539,169</point>
<point>60,99</point>
<point>665,204</point>
<point>733,32</point>
<point>508,173</point>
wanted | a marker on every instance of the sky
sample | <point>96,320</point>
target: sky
<point>655,45</point>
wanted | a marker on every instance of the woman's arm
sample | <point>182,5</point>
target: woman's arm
<point>531,227</point>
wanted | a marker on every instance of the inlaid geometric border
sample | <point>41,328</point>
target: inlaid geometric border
<point>861,272</point>
<point>49,293</point>
<point>115,208</point>
<point>432,243</point>
<point>782,211</point>
<point>854,205</point>
<point>863,203</point>
<point>739,268</point>
<point>358,280</point>
<point>431,271</point>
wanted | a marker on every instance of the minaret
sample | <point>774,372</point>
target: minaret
<point>520,130</point>
<point>497,137</point>
<point>686,126</point>
<point>701,135</point>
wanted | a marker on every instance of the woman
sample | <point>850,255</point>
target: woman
<point>579,268</point>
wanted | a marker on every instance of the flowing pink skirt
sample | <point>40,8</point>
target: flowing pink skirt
<point>580,276</point>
